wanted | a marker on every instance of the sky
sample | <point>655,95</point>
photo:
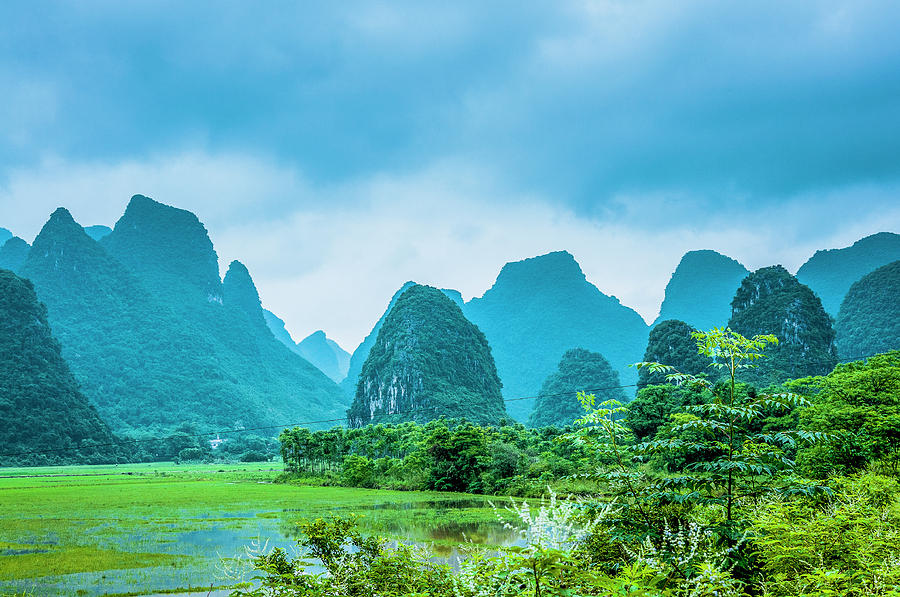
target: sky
<point>339,149</point>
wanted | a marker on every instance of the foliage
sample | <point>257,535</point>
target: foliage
<point>428,361</point>
<point>772,301</point>
<point>845,545</point>
<point>858,406</point>
<point>579,369</point>
<point>46,419</point>
<point>355,566</point>
<point>740,462</point>
<point>443,454</point>
<point>686,523</point>
<point>654,405</point>
<point>869,319</point>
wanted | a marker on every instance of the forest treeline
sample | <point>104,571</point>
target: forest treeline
<point>857,405</point>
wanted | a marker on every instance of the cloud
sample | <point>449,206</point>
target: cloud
<point>329,256</point>
<point>579,101</point>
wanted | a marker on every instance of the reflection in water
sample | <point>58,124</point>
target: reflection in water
<point>438,525</point>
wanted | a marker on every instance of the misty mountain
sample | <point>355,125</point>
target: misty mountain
<point>427,361</point>
<point>701,288</point>
<point>97,232</point>
<point>541,307</point>
<point>831,272</point>
<point>869,320</point>
<point>320,350</point>
<point>13,253</point>
<point>156,339</point>
<point>5,235</point>
<point>326,354</point>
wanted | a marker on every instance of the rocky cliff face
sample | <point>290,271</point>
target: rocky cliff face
<point>701,288</point>
<point>541,307</point>
<point>361,353</point>
<point>869,320</point>
<point>830,273</point>
<point>772,301</point>
<point>427,361</point>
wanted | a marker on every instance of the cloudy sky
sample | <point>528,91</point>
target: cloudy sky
<point>339,149</point>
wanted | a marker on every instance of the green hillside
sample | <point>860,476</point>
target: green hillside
<point>428,361</point>
<point>46,419</point>
<point>578,370</point>
<point>670,343</point>
<point>869,320</point>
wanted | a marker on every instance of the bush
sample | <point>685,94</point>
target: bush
<point>254,456</point>
<point>358,471</point>
<point>847,544</point>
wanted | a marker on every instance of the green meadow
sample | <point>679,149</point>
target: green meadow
<point>161,528</point>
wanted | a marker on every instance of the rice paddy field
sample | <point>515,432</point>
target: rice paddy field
<point>161,528</point>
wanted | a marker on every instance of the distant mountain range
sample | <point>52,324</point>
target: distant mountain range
<point>831,272</point>
<point>538,309</point>
<point>317,348</point>
<point>156,339</point>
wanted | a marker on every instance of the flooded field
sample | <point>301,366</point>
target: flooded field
<point>154,528</point>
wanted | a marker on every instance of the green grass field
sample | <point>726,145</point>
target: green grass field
<point>153,528</point>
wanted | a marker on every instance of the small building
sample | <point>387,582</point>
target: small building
<point>215,443</point>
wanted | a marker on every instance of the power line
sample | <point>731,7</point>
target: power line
<point>341,419</point>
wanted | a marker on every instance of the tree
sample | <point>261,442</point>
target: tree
<point>742,462</point>
<point>858,406</point>
<point>458,458</point>
<point>730,459</point>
